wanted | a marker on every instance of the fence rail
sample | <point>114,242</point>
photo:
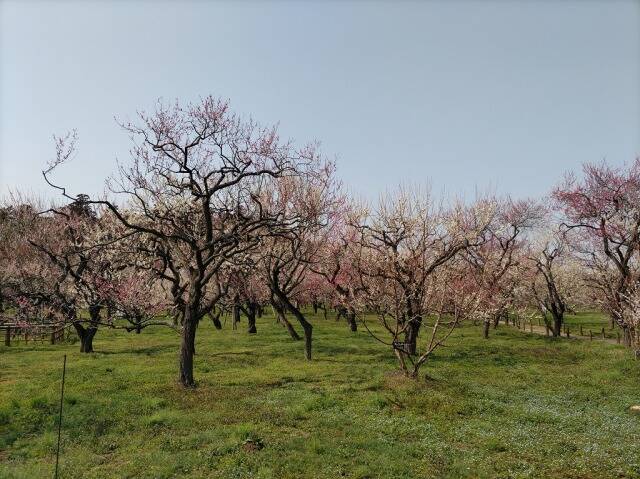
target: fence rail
<point>16,333</point>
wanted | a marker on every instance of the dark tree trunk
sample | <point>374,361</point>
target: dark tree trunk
<point>315,307</point>
<point>259,310</point>
<point>308,331</point>
<point>251,317</point>
<point>187,348</point>
<point>485,329</point>
<point>236,312</point>
<point>626,336</point>
<point>341,311</point>
<point>86,336</point>
<point>306,325</point>
<point>411,335</point>
<point>215,319</point>
<point>351,319</point>
<point>282,319</point>
<point>138,322</point>
<point>496,320</point>
<point>86,341</point>
<point>557,326</point>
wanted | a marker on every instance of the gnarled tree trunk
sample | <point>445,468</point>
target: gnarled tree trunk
<point>86,336</point>
<point>411,335</point>
<point>187,347</point>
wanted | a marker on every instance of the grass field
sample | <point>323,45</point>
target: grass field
<point>515,406</point>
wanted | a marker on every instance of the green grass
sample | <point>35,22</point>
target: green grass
<point>515,406</point>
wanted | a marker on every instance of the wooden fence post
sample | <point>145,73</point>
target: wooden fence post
<point>618,337</point>
<point>603,336</point>
<point>568,335</point>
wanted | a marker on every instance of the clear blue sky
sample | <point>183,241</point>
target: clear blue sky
<point>505,95</point>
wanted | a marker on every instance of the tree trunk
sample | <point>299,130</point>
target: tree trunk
<point>626,336</point>
<point>215,319</point>
<point>557,326</point>
<point>401,361</point>
<point>306,325</point>
<point>187,348</point>
<point>411,335</point>
<point>485,328</point>
<point>251,317</point>
<point>236,312</point>
<point>282,319</point>
<point>86,336</point>
<point>351,319</point>
<point>86,341</point>
<point>138,325</point>
<point>308,331</point>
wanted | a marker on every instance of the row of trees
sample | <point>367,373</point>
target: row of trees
<point>217,214</point>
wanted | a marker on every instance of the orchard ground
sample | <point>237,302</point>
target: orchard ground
<point>518,405</point>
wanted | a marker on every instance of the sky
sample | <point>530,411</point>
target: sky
<point>499,96</point>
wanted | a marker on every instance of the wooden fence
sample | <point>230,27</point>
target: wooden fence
<point>43,333</point>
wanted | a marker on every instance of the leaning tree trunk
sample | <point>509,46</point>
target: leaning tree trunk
<point>282,319</point>
<point>307,327</point>
<point>187,347</point>
<point>215,319</point>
